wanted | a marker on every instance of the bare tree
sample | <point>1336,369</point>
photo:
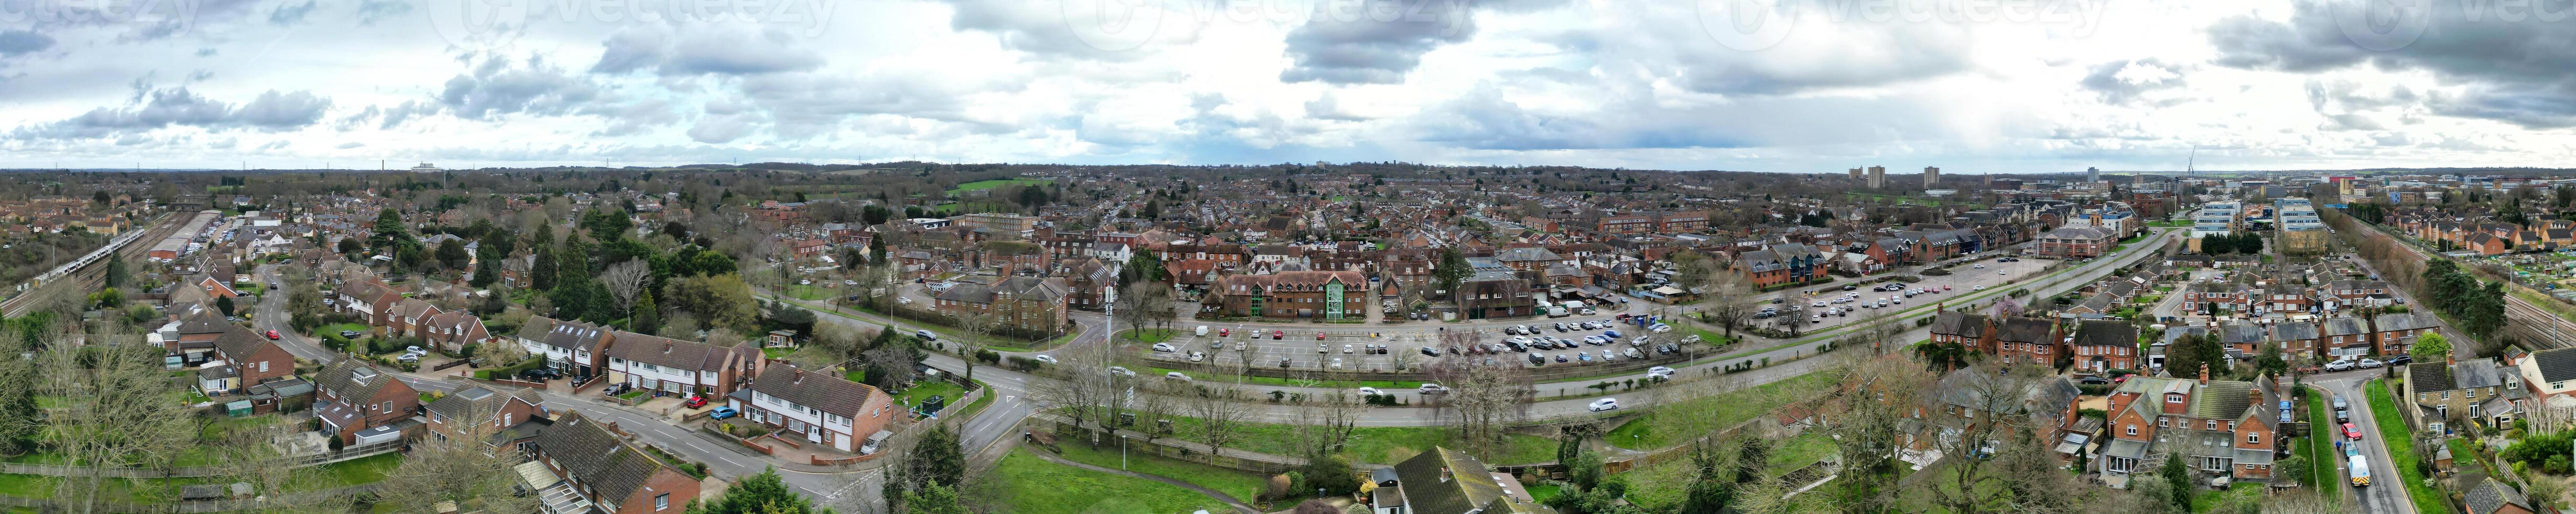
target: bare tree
<point>1482,397</point>
<point>1977,408</point>
<point>1138,302</point>
<point>1731,299</point>
<point>1154,401</point>
<point>125,416</point>
<point>625,282</point>
<point>976,324</point>
<point>247,455</point>
<point>1880,394</point>
<point>1223,411</point>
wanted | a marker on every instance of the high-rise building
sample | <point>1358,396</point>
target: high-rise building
<point>1855,172</point>
<point>2092,174</point>
<point>1877,177</point>
<point>1931,177</point>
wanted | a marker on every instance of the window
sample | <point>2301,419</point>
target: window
<point>661,501</point>
<point>2211,425</point>
<point>2446,395</point>
<point>2253,438</point>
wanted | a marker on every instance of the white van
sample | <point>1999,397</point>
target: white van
<point>1203,331</point>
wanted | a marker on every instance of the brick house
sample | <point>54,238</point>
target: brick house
<point>1020,302</point>
<point>452,330</point>
<point>2447,390</point>
<point>2102,345</point>
<point>254,359</point>
<point>817,408</point>
<point>679,367</point>
<point>570,347</point>
<point>361,404</point>
<point>2218,427</point>
<point>2077,242</point>
<point>501,407</point>
<point>577,465</point>
<point>1293,294</point>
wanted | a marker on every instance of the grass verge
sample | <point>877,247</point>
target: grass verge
<point>1035,486</point>
<point>2323,460</point>
<point>1647,432</point>
<point>1243,485</point>
<point>1379,445</point>
<point>2401,448</point>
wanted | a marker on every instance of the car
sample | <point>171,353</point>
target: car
<point>722,412</point>
<point>1322,348</point>
<point>2002,272</point>
<point>1198,356</point>
<point>408,357</point>
<point>1175,375</point>
<point>1604,404</point>
<point>2340,365</point>
<point>2351,432</point>
<point>1945,287</point>
<point>414,349</point>
<point>2093,380</point>
<point>1819,303</point>
<point>2115,254</point>
<point>1349,348</point>
<point>1283,362</point>
<point>1166,348</point>
<point>694,401</point>
<point>272,335</point>
<point>1580,356</point>
<point>1278,335</point>
<point>1319,336</point>
<point>1537,359</point>
<point>1050,359</point>
<point>1371,391</point>
<point>1980,266</point>
<point>1122,371</point>
<point>1560,357</point>
<point>925,335</point>
<point>1430,352</point>
<point>1587,311</point>
<point>1848,287</point>
<point>1430,388</point>
<point>1660,328</point>
<point>1897,301</point>
<point>1978,288</point>
<point>2343,415</point>
<point>2369,363</point>
<point>1614,334</point>
<point>1659,371</point>
<point>1223,332</point>
<point>1632,354</point>
<point>351,333</point>
<point>2339,403</point>
<point>2401,359</point>
<point>1512,330</point>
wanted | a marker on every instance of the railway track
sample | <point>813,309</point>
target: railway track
<point>91,277</point>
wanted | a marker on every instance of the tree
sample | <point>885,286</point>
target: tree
<point>2430,347</point>
<point>762,493</point>
<point>542,272</point>
<point>647,317</point>
<point>2268,361</point>
<point>1996,397</point>
<point>938,458</point>
<point>127,419</point>
<point>116,274</point>
<point>2191,351</point>
<point>626,283</point>
<point>1144,266</point>
<point>389,229</point>
<point>1943,356</point>
<point>452,254</point>
<point>222,303</point>
<point>349,246</point>
<point>1731,299</point>
<point>719,301</point>
<point>2176,474</point>
<point>1452,271</point>
<point>1881,394</point>
<point>1224,412</point>
<point>934,499</point>
<point>21,423</point>
<point>1481,397</point>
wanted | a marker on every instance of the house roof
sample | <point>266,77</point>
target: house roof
<point>482,399</point>
<point>823,391</point>
<point>2489,496</point>
<point>674,353</point>
<point>2240,332</point>
<point>2407,321</point>
<point>1957,323</point>
<point>2105,333</point>
<point>2022,329</point>
<point>2555,364</point>
<point>1445,481</point>
<point>596,458</point>
<point>240,343</point>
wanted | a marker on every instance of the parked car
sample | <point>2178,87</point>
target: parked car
<point>2370,363</point>
<point>2341,365</point>
<point>1371,391</point>
<point>351,333</point>
<point>1429,388</point>
<point>1659,371</point>
<point>1604,404</point>
<point>722,412</point>
<point>1050,359</point>
<point>272,335</point>
<point>694,401</point>
<point>2351,432</point>
<point>1175,375</point>
<point>1430,352</point>
<point>2339,403</point>
<point>1121,371</point>
<point>2401,359</point>
<point>1166,348</point>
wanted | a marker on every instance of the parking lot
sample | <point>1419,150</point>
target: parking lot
<point>1367,350</point>
<point>1799,305</point>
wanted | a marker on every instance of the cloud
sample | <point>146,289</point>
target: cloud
<point>2512,69</point>
<point>372,11</point>
<point>270,112</point>
<point>2124,81</point>
<point>284,15</point>
<point>14,43</point>
<point>1373,41</point>
<point>495,88</point>
<point>349,145</point>
<point>701,50</point>
<point>1101,30</point>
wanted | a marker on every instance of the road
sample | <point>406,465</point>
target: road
<point>2385,495</point>
<point>847,491</point>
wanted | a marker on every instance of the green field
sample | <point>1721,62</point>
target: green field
<point>989,184</point>
<point>1149,336</point>
<point>1658,487</point>
<point>2401,448</point>
<point>923,391</point>
<point>809,293</point>
<point>1035,486</point>
<point>1380,445</point>
<point>1647,432</point>
<point>1243,485</point>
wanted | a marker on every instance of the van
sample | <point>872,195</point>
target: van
<point>925,335</point>
<point>1203,330</point>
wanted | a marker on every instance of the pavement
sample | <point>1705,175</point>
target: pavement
<point>2385,495</point>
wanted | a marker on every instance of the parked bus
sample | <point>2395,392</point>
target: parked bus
<point>2360,471</point>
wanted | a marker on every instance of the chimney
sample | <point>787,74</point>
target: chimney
<point>2254,398</point>
<point>2450,360</point>
<point>796,375</point>
<point>2204,373</point>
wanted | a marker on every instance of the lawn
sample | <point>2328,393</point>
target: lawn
<point>1644,433</point>
<point>923,391</point>
<point>2401,448</point>
<point>777,353</point>
<point>1243,485</point>
<point>224,426</point>
<point>809,293</point>
<point>856,375</point>
<point>364,470</point>
<point>1035,486</point>
<point>989,184</point>
<point>336,328</point>
<point>1380,445</point>
<point>2204,500</point>
<point>1541,492</point>
<point>2322,456</point>
<point>1800,451</point>
<point>1291,382</point>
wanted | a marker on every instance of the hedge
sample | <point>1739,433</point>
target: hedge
<point>511,370</point>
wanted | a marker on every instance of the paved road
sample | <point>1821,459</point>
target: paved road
<point>725,460</point>
<point>2384,495</point>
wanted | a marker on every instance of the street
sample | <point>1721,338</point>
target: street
<point>2385,495</point>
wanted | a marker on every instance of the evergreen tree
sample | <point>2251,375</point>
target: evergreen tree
<point>2177,474</point>
<point>763,493</point>
<point>20,421</point>
<point>647,317</point>
<point>541,273</point>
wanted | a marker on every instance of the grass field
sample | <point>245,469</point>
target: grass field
<point>2322,458</point>
<point>928,388</point>
<point>1658,487</point>
<point>1035,486</point>
<point>1149,335</point>
<point>1379,445</point>
<point>989,184</point>
<point>777,353</point>
<point>1647,433</point>
<point>2401,448</point>
<point>809,293</point>
<point>1243,485</point>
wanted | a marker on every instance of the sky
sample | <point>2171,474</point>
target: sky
<point>1802,86</point>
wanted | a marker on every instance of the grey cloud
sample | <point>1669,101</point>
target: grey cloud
<point>1043,27</point>
<point>224,144</point>
<point>1328,107</point>
<point>634,117</point>
<point>371,11</point>
<point>495,88</point>
<point>271,111</point>
<point>349,145</point>
<point>21,42</point>
<point>2125,81</point>
<point>388,117</point>
<point>206,52</point>
<point>1373,41</point>
<point>714,51</point>
<point>284,15</point>
<point>2514,71</point>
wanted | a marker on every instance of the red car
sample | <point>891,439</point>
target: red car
<point>1319,336</point>
<point>2350,432</point>
<point>1278,334</point>
<point>696,402</point>
<point>1220,332</point>
<point>272,335</point>
<point>1945,288</point>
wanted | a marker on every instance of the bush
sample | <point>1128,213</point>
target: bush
<point>1937,272</point>
<point>988,356</point>
<point>1023,363</point>
<point>335,342</point>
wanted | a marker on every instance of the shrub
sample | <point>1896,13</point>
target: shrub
<point>1937,272</point>
<point>988,356</point>
<point>335,342</point>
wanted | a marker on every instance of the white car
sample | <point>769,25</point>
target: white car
<point>1604,404</point>
<point>1980,266</point>
<point>1049,359</point>
<point>1337,363</point>
<point>2369,363</point>
<point>2340,365</point>
<point>1659,371</point>
<point>1371,391</point>
<point>1978,288</point>
<point>1166,347</point>
<point>1175,375</point>
<point>2001,272</point>
<point>1349,348</point>
<point>1121,371</point>
<point>1429,388</point>
<point>1660,329</point>
<point>1197,356</point>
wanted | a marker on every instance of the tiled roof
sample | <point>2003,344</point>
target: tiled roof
<point>482,399</point>
<point>2020,329</point>
<point>827,392</point>
<point>2105,333</point>
<point>2430,376</point>
<point>597,458</point>
<point>674,353</point>
<point>1962,324</point>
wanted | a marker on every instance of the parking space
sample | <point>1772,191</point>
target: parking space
<point>1864,301</point>
<point>1362,350</point>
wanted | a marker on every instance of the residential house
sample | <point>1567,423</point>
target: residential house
<point>2219,427</point>
<point>363,405</point>
<point>818,408</point>
<point>2491,496</point>
<point>680,368</point>
<point>1326,295</point>
<point>2441,389</point>
<point>578,465</point>
<point>570,347</point>
<point>253,357</point>
<point>2102,345</point>
<point>453,330</point>
<point>497,408</point>
<point>1445,481</point>
<point>1020,302</point>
